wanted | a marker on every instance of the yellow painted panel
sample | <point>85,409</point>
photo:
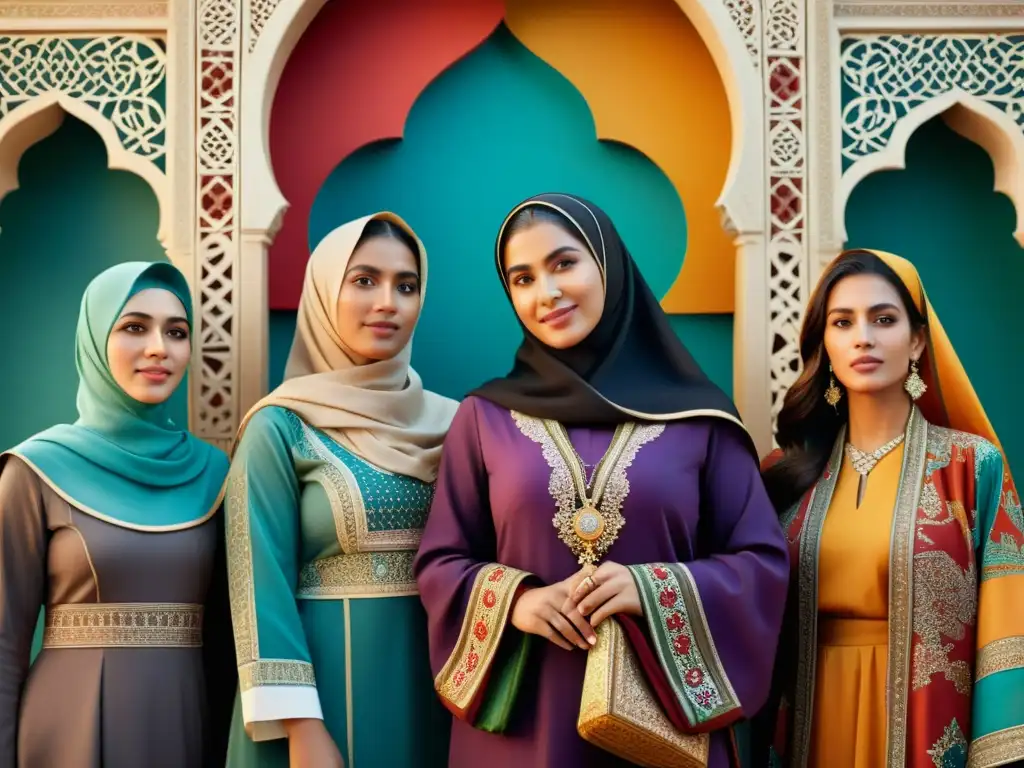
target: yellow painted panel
<point>650,83</point>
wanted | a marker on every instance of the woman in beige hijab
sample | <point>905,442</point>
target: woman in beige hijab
<point>331,479</point>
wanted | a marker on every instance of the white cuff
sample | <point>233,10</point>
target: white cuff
<point>265,706</point>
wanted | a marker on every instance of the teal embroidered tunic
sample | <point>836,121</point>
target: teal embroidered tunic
<point>328,623</point>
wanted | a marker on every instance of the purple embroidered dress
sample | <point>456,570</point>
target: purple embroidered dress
<point>691,495</point>
<point>680,490</point>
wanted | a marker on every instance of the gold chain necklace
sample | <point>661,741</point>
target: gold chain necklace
<point>590,529</point>
<point>864,462</point>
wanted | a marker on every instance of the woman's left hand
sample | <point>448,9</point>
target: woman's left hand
<point>609,590</point>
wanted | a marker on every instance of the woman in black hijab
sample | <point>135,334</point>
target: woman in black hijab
<point>632,363</point>
<point>664,546</point>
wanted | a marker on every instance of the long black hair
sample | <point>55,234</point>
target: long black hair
<point>807,426</point>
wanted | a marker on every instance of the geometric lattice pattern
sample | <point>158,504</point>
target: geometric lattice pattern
<point>118,76</point>
<point>260,12</point>
<point>218,29</point>
<point>886,76</point>
<point>785,87</point>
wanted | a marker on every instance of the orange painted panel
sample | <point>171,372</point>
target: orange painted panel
<point>352,80</point>
<point>652,84</point>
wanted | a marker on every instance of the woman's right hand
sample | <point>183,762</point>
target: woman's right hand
<point>310,745</point>
<point>538,611</point>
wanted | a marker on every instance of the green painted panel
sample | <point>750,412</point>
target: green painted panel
<point>71,218</point>
<point>499,126</point>
<point>942,214</point>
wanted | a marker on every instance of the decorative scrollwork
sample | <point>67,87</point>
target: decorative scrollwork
<point>745,15</point>
<point>215,414</point>
<point>260,12</point>
<point>785,26</point>
<point>117,76</point>
<point>889,75</point>
<point>787,168</point>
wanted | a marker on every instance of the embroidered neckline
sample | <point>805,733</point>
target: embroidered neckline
<point>588,517</point>
<point>863,461</point>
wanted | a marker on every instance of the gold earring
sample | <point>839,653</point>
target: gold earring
<point>914,384</point>
<point>833,394</point>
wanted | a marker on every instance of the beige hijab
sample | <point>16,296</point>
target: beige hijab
<point>378,411</point>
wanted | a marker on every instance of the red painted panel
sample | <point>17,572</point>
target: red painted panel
<point>352,80</point>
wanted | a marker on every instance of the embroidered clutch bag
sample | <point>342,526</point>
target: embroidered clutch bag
<point>620,714</point>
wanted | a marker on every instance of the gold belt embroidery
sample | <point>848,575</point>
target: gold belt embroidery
<point>124,625</point>
<point>360,574</point>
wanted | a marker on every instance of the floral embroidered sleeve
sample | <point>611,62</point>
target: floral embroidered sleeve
<point>997,723</point>
<point>477,656</point>
<point>274,667</point>
<point>713,623</point>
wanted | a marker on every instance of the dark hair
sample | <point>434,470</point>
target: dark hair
<point>383,228</point>
<point>807,426</point>
<point>532,215</point>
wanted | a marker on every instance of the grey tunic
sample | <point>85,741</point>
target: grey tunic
<point>110,707</point>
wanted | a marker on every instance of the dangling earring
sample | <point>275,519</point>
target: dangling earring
<point>833,394</point>
<point>914,384</point>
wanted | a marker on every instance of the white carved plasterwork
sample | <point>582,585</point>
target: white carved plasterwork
<point>260,12</point>
<point>219,37</point>
<point>82,9</point>
<point>889,75</point>
<point>930,10</point>
<point>745,14</point>
<point>785,87</point>
<point>117,76</point>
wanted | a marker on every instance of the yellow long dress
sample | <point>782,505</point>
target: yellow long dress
<point>849,726</point>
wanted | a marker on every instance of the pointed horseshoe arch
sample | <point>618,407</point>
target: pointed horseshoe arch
<point>38,118</point>
<point>742,198</point>
<point>976,120</point>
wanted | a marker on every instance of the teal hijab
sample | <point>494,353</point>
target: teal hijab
<point>124,461</point>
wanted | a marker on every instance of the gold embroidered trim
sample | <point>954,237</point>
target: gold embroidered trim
<point>997,748</point>
<point>807,603</point>
<point>999,656</point>
<point>241,582</point>
<point>487,613</point>
<point>275,672</point>
<point>610,475</point>
<point>346,500</point>
<point>124,625</point>
<point>362,574</point>
<point>901,584</point>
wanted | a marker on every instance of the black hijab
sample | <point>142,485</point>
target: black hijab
<point>631,365</point>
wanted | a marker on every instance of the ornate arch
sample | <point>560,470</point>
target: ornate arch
<point>730,29</point>
<point>34,120</point>
<point>106,82</point>
<point>973,118</point>
<point>750,61</point>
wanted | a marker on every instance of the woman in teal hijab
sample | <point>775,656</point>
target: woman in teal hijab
<point>110,524</point>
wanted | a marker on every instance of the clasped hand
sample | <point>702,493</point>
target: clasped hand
<point>558,612</point>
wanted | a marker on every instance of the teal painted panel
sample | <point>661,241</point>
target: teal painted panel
<point>71,218</point>
<point>942,214</point>
<point>497,127</point>
<point>709,339</point>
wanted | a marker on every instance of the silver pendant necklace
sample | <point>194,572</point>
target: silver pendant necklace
<point>863,462</point>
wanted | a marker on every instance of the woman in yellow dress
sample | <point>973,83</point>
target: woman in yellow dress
<point>904,638</point>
